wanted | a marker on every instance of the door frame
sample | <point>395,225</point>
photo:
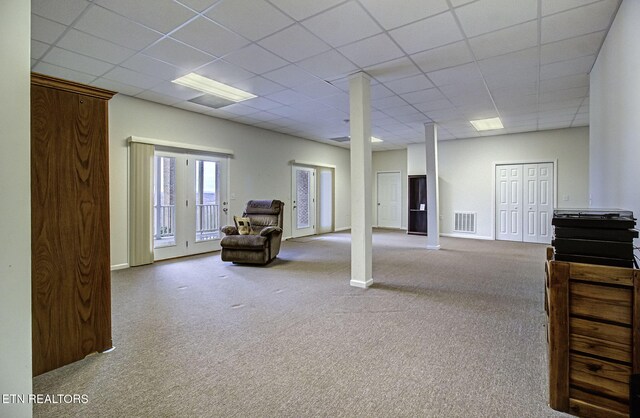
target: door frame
<point>313,195</point>
<point>553,161</point>
<point>376,200</point>
<point>185,171</point>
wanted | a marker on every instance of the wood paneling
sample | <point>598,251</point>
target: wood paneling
<point>602,340</point>
<point>71,294</point>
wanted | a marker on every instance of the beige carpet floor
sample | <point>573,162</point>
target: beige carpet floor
<point>458,332</point>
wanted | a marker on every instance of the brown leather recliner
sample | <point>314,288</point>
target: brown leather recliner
<point>263,244</point>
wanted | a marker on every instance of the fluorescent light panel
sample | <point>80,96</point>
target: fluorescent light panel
<point>487,124</point>
<point>209,86</point>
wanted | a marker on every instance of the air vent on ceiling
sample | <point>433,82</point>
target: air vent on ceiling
<point>341,139</point>
<point>211,101</point>
<point>464,222</point>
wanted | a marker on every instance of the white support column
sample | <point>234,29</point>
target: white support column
<point>433,214</point>
<point>360,125</point>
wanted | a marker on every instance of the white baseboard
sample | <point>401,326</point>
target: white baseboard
<point>120,266</point>
<point>346,228</point>
<point>363,285</point>
<point>468,236</point>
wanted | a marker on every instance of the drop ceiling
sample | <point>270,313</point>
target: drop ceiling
<point>442,61</point>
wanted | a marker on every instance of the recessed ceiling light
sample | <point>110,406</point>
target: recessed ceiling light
<point>487,124</point>
<point>207,85</point>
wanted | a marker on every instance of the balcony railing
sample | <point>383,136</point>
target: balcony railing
<point>207,221</point>
<point>165,221</point>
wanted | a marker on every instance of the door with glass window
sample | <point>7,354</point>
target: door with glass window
<point>303,201</point>
<point>190,204</point>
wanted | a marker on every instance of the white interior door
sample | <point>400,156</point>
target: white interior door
<point>524,202</point>
<point>509,202</point>
<point>190,204</point>
<point>538,204</point>
<point>303,201</point>
<point>389,205</point>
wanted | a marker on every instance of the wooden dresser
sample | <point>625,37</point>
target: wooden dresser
<point>593,337</point>
<point>71,278</point>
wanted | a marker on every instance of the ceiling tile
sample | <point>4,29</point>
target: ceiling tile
<point>443,57</point>
<point>62,11</point>
<point>294,43</point>
<point>388,102</point>
<point>38,49</point>
<point>253,19</point>
<point>161,15</point>
<point>115,86</point>
<point>259,86</point>
<point>255,59</point>
<point>65,73</point>
<point>288,97</point>
<point>571,81</point>
<point>571,48</point>
<point>371,51</point>
<point>456,75</point>
<point>152,96</point>
<point>482,17</point>
<point>428,33</point>
<point>343,24</point>
<point>393,70</point>
<point>391,16</point>
<point>151,66</point>
<point>261,103</point>
<point>175,90</point>
<point>559,69</point>
<point>564,94</point>
<point>574,22</point>
<point>506,40</point>
<point>112,27</point>
<point>554,6</point>
<point>317,90</point>
<point>44,30</point>
<point>508,62</point>
<point>132,78</point>
<point>422,96</point>
<point>406,85</point>
<point>505,78</point>
<point>328,65</point>
<point>434,105</point>
<point>224,72</point>
<point>457,3</point>
<point>290,76</point>
<point>178,54</point>
<point>67,59</point>
<point>300,10</point>
<point>209,37</point>
<point>94,47</point>
<point>198,5</point>
<point>379,91</point>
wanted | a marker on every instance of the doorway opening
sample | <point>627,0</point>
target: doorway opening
<point>312,200</point>
<point>190,203</point>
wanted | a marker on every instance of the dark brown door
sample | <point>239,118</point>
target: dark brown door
<point>71,295</point>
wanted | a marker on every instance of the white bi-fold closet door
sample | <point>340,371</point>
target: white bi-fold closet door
<point>524,202</point>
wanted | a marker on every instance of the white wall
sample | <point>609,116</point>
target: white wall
<point>466,170</point>
<point>614,160</point>
<point>260,168</point>
<point>395,160</point>
<point>15,223</point>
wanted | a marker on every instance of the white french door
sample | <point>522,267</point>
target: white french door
<point>524,202</point>
<point>303,201</point>
<point>190,204</point>
<point>389,191</point>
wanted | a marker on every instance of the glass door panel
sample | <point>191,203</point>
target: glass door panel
<point>164,198</point>
<point>207,201</point>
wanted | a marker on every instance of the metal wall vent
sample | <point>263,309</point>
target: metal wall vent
<point>464,222</point>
